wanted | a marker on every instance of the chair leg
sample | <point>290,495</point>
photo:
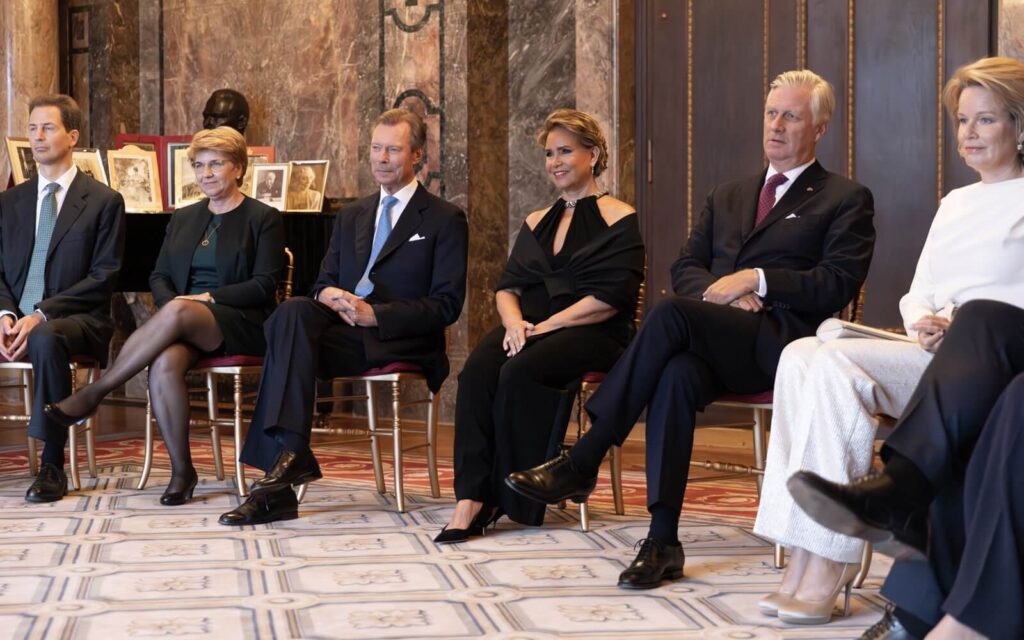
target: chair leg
<point>432,411</point>
<point>780,556</point>
<point>616,468</point>
<point>76,481</point>
<point>300,493</point>
<point>147,448</point>
<point>865,566</point>
<point>396,436</point>
<point>371,419</point>
<point>90,428</point>
<point>211,414</point>
<point>760,435</point>
<point>584,518</point>
<point>239,467</point>
<point>26,397</point>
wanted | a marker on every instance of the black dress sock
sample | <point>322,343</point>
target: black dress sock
<point>289,440</point>
<point>912,482</point>
<point>916,626</point>
<point>588,453</point>
<point>664,524</point>
<point>53,453</point>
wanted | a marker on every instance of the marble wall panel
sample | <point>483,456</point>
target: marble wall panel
<point>542,77</point>
<point>150,70</point>
<point>1011,28</point>
<point>300,63</point>
<point>596,89</point>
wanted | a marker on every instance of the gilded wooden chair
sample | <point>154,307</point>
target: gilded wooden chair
<point>236,368</point>
<point>79,364</point>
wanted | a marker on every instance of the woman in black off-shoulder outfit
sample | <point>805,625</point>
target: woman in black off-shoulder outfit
<point>566,300</point>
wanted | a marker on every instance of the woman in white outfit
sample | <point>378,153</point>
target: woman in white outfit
<point>827,394</point>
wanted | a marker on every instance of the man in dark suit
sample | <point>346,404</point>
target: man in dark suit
<point>951,491</point>
<point>393,278</point>
<point>61,240</point>
<point>769,258</point>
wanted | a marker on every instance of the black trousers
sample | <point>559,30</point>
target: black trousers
<point>305,341</point>
<point>686,354</point>
<point>939,430</point>
<point>50,348</point>
<point>512,413</point>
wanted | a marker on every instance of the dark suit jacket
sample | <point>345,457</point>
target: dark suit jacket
<point>814,247</point>
<point>83,260</point>
<point>250,257</point>
<point>419,278</point>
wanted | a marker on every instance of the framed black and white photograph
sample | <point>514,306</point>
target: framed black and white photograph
<point>90,162</point>
<point>306,185</point>
<point>257,155</point>
<point>186,187</point>
<point>23,165</point>
<point>134,174</point>
<point>78,29</point>
<point>270,182</point>
<point>171,179</point>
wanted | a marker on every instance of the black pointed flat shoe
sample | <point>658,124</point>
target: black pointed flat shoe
<point>182,495</point>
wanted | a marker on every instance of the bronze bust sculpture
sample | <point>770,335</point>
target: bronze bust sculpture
<point>226,107</point>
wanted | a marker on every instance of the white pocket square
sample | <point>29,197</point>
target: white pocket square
<point>791,216</point>
<point>417,237</point>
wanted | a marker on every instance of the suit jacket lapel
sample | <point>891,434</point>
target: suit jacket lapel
<point>364,230</point>
<point>805,187</point>
<point>23,230</point>
<point>410,220</point>
<point>74,203</point>
<point>751,192</point>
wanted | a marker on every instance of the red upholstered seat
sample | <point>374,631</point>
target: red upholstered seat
<point>393,367</point>
<point>594,377</point>
<point>229,361</point>
<point>765,397</point>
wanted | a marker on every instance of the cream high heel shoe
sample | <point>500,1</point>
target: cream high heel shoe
<point>771,603</point>
<point>797,611</point>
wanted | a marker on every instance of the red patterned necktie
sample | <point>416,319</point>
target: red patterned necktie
<point>767,199</point>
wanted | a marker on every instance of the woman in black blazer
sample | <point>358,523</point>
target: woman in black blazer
<point>215,282</point>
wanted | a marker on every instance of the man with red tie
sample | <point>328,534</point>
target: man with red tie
<point>769,258</point>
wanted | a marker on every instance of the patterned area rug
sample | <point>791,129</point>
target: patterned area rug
<point>110,562</point>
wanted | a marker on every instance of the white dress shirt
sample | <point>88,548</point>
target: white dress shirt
<point>404,195</point>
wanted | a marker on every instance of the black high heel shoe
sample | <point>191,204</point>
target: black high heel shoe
<point>54,413</point>
<point>485,518</point>
<point>175,498</point>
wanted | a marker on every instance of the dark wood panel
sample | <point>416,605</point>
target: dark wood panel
<point>662,181</point>
<point>782,36</point>
<point>896,139</point>
<point>967,31</point>
<point>728,69</point>
<point>826,56</point>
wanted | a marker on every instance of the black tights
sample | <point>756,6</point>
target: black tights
<point>169,343</point>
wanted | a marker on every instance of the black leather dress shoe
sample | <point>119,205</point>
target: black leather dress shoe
<point>656,561</point>
<point>290,468</point>
<point>263,508</point>
<point>49,486</point>
<point>888,628</point>
<point>871,508</point>
<point>552,482</point>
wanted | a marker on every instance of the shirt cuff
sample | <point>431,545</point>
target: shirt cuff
<point>40,312</point>
<point>8,313</point>
<point>762,285</point>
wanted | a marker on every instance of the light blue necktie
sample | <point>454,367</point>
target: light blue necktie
<point>365,287</point>
<point>35,282</point>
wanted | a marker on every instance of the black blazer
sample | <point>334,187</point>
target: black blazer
<point>419,278</point>
<point>250,257</point>
<point>83,260</point>
<point>814,247</point>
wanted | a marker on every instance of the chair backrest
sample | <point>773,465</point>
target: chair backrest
<point>284,288</point>
<point>854,311</point>
<point>638,316</point>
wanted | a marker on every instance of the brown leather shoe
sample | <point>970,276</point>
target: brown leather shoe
<point>290,468</point>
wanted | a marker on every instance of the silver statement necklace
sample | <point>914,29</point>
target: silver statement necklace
<point>571,204</point>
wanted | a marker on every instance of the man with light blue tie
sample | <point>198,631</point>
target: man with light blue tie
<point>61,241</point>
<point>393,278</point>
